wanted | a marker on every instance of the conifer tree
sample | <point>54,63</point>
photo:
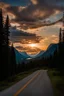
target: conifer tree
<point>13,61</point>
<point>6,45</point>
<point>60,36</point>
<point>63,36</point>
<point>1,43</point>
<point>7,31</point>
<point>1,28</point>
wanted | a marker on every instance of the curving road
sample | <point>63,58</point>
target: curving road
<point>36,84</point>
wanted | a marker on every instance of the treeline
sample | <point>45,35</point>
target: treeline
<point>7,54</point>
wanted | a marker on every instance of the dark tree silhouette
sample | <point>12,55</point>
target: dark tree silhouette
<point>60,36</point>
<point>1,28</point>
<point>6,39</point>
<point>7,31</point>
<point>63,36</point>
<point>13,61</point>
<point>1,43</point>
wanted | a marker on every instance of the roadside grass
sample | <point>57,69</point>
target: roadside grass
<point>57,82</point>
<point>14,79</point>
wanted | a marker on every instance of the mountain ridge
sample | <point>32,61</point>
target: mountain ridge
<point>23,56</point>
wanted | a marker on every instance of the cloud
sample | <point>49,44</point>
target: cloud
<point>22,37</point>
<point>54,38</point>
<point>28,49</point>
<point>30,15</point>
<point>34,1</point>
<point>16,2</point>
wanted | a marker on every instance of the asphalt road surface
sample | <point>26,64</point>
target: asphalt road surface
<point>36,84</point>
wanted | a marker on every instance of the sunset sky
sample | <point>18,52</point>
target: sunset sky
<point>27,19</point>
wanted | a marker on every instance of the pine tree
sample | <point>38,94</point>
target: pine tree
<point>13,61</point>
<point>6,46</point>
<point>1,44</point>
<point>63,36</point>
<point>60,36</point>
<point>1,27</point>
<point>7,31</point>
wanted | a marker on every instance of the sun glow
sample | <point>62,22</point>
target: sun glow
<point>32,45</point>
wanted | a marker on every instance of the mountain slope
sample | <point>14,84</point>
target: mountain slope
<point>50,50</point>
<point>20,57</point>
<point>25,55</point>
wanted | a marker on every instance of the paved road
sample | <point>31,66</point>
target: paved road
<point>36,84</point>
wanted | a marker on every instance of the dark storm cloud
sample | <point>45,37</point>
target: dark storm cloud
<point>19,36</point>
<point>16,2</point>
<point>29,16</point>
<point>16,32</point>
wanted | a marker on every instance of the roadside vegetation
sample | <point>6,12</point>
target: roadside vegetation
<point>57,81</point>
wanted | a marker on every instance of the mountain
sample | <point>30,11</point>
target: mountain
<point>20,57</point>
<point>40,54</point>
<point>50,51</point>
<point>25,55</point>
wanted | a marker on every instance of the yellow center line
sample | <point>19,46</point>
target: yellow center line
<point>19,91</point>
